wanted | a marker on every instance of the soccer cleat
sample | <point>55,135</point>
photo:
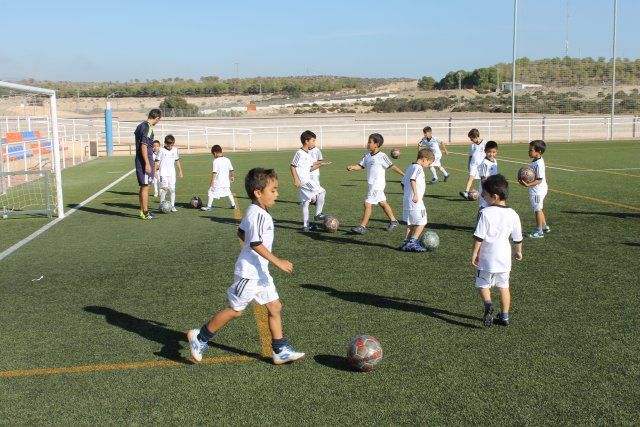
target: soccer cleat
<point>205,208</point>
<point>393,225</point>
<point>446,177</point>
<point>233,207</point>
<point>546,229</point>
<point>173,209</point>
<point>359,229</point>
<point>487,317</point>
<point>414,246</point>
<point>155,194</point>
<point>196,346</point>
<point>320,217</point>
<point>149,216</point>
<point>534,234</point>
<point>435,181</point>
<point>499,320</point>
<point>142,215</point>
<point>464,195</point>
<point>286,355</point>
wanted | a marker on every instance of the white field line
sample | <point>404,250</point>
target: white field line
<point>604,170</point>
<point>522,163</point>
<point>44,228</point>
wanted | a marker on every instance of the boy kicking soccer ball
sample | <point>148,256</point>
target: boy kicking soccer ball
<point>252,281</point>
<point>432,143</point>
<point>376,163</point>
<point>168,159</point>
<point>491,249</point>
<point>221,179</point>
<point>414,213</point>
<point>476,154</point>
<point>538,188</point>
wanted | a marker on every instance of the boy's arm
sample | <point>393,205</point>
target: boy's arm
<point>444,148</point>
<point>241,235</point>
<point>319,164</point>
<point>530,184</point>
<point>414,188</point>
<point>354,168</point>
<point>477,242</point>
<point>179,168</point>
<point>294,174</point>
<point>519,251</point>
<point>397,170</point>
<point>232,177</point>
<point>282,264</point>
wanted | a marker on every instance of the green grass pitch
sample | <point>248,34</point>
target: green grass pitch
<point>117,291</point>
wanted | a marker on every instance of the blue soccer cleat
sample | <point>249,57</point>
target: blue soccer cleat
<point>196,346</point>
<point>206,208</point>
<point>286,355</point>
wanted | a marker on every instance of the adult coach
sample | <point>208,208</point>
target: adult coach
<point>144,156</point>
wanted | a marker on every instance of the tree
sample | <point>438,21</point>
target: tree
<point>173,106</point>
<point>427,83</point>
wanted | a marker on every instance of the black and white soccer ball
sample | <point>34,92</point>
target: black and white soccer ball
<point>196,202</point>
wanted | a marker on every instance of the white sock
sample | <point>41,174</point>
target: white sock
<point>163,194</point>
<point>155,186</point>
<point>305,213</point>
<point>433,171</point>
<point>172,191</point>
<point>210,200</point>
<point>444,172</point>
<point>233,202</point>
<point>320,202</point>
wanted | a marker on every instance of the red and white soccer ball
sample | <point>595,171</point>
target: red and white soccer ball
<point>331,224</point>
<point>364,353</point>
<point>395,153</point>
<point>526,174</point>
<point>473,194</point>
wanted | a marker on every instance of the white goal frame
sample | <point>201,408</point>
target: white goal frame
<point>55,141</point>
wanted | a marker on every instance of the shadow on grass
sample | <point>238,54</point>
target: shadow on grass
<point>632,244</point>
<point>105,211</point>
<point>336,362</point>
<point>622,215</point>
<point>393,303</point>
<point>151,330</point>
<point>123,193</point>
<point>435,226</point>
<point>449,198</point>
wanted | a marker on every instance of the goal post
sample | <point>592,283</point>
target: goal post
<point>55,143</point>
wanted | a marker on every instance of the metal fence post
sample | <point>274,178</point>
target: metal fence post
<point>321,137</point>
<point>635,121</point>
<point>277,138</point>
<point>188,141</point>
<point>364,136</point>
<point>450,128</point>
<point>406,134</point>
<point>544,127</point>
<point>234,139</point>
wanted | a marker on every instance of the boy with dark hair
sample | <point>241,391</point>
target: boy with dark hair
<point>144,158</point>
<point>156,150</point>
<point>487,168</point>
<point>491,249</point>
<point>538,188</point>
<point>252,280</point>
<point>302,165</point>
<point>414,213</point>
<point>221,179</point>
<point>476,154</point>
<point>376,163</point>
<point>168,159</point>
<point>432,143</point>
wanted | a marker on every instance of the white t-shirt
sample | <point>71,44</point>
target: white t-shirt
<point>222,167</point>
<point>316,155</point>
<point>433,144</point>
<point>167,159</point>
<point>413,173</point>
<point>486,169</point>
<point>476,152</point>
<point>540,169</point>
<point>495,225</point>
<point>303,161</point>
<point>257,225</point>
<point>376,166</point>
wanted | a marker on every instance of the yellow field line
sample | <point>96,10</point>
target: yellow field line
<point>259,311</point>
<point>580,196</point>
<point>118,366</point>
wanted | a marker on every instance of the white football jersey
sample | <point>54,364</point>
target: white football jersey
<point>316,155</point>
<point>257,225</point>
<point>376,166</point>
<point>222,167</point>
<point>303,161</point>
<point>432,144</point>
<point>495,225</point>
<point>167,159</point>
<point>486,169</point>
<point>540,169</point>
<point>477,152</point>
<point>413,173</point>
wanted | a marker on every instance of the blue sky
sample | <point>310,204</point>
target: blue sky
<point>123,40</point>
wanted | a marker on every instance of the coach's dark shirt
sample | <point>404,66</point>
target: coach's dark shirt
<point>144,136</point>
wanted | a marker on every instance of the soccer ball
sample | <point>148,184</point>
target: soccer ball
<point>395,153</point>
<point>196,202</point>
<point>430,240</point>
<point>526,174</point>
<point>331,224</point>
<point>365,353</point>
<point>165,206</point>
<point>473,194</point>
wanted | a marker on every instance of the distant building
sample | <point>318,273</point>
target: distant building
<point>519,86</point>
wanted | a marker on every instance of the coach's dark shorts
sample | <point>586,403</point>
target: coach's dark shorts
<point>143,177</point>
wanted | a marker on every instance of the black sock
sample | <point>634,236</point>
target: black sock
<point>205,334</point>
<point>278,344</point>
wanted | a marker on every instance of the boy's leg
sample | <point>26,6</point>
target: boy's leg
<point>155,187</point>
<point>275,320</point>
<point>505,300</point>
<point>144,198</point>
<point>163,194</point>
<point>445,173</point>
<point>483,285</point>
<point>386,207</point>
<point>210,197</point>
<point>217,322</point>
<point>367,215</point>
<point>232,201</point>
<point>320,202</point>
<point>541,221</point>
<point>305,213</point>
<point>417,230</point>
<point>172,194</point>
<point>433,172</point>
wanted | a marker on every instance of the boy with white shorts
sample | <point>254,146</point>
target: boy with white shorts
<point>476,155</point>
<point>432,143</point>
<point>252,280</point>
<point>168,159</point>
<point>376,163</point>
<point>302,165</point>
<point>491,249</point>
<point>221,179</point>
<point>538,188</point>
<point>414,212</point>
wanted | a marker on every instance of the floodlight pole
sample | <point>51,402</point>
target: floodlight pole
<point>513,71</point>
<point>613,77</point>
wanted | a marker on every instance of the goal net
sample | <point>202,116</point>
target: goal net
<point>30,178</point>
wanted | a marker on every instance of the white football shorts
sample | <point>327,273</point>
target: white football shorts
<point>484,279</point>
<point>537,201</point>
<point>415,216</point>
<point>309,189</point>
<point>243,291</point>
<point>375,196</point>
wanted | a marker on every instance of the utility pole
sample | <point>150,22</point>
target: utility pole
<point>513,70</point>
<point>613,60</point>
